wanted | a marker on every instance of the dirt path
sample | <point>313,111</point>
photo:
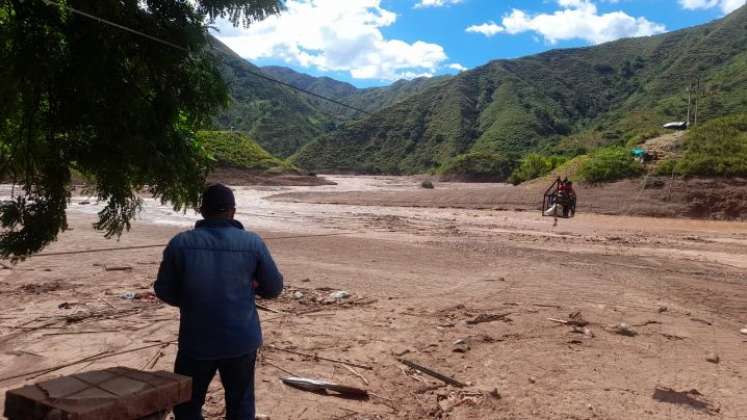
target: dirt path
<point>417,276</point>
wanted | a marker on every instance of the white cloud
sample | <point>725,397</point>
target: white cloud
<point>726,6</point>
<point>457,67</point>
<point>436,3</point>
<point>488,29</point>
<point>576,19</point>
<point>333,35</point>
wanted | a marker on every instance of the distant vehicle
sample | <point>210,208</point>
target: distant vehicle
<point>676,125</point>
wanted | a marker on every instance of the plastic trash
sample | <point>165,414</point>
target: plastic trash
<point>340,295</point>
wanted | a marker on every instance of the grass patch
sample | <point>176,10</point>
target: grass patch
<point>237,150</point>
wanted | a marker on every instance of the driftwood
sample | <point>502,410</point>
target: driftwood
<point>441,377</point>
<point>266,309</point>
<point>487,318</point>
<point>314,356</point>
<point>267,362</point>
<point>356,373</point>
<point>81,332</point>
<point>117,267</point>
<point>95,357</point>
<point>151,363</point>
<point>315,385</point>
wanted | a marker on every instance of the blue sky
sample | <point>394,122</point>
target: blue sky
<point>374,42</point>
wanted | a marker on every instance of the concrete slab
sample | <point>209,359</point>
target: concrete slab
<point>113,394</point>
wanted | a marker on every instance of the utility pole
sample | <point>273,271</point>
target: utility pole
<point>689,101</point>
<point>697,101</point>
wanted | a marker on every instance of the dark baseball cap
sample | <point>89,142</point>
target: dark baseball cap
<point>217,198</point>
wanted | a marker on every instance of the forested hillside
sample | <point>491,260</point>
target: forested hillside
<point>562,101</point>
<point>280,119</point>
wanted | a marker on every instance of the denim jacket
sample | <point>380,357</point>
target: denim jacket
<point>208,272</point>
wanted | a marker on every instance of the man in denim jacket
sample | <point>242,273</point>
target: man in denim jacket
<point>212,273</point>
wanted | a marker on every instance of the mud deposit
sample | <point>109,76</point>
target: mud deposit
<point>598,317</point>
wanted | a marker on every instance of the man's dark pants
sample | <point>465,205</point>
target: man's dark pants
<point>237,376</point>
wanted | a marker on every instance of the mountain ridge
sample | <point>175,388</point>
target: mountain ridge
<point>368,99</point>
<point>557,101</point>
<point>278,118</point>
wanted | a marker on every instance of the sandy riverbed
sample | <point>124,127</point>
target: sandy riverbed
<point>416,275</point>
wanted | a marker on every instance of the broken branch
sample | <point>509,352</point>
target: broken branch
<point>356,373</point>
<point>314,356</point>
<point>447,379</point>
<point>95,357</point>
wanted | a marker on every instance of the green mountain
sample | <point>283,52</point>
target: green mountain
<point>369,99</point>
<point>561,101</point>
<point>279,118</point>
<point>283,120</point>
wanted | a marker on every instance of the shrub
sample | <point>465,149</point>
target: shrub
<point>666,167</point>
<point>427,185</point>
<point>477,167</point>
<point>716,148</point>
<point>534,166</point>
<point>609,164</point>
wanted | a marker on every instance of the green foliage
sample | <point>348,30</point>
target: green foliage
<point>239,11</point>
<point>237,150</point>
<point>477,167</point>
<point>716,148</point>
<point>534,166</point>
<point>609,164</point>
<point>666,167</point>
<point>120,109</point>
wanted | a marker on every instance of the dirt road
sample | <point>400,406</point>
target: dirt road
<point>421,280</point>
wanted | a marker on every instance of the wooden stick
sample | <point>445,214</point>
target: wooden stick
<point>102,300</point>
<point>80,332</point>
<point>313,356</point>
<point>266,309</point>
<point>11,336</point>
<point>559,321</point>
<point>356,373</point>
<point>379,396</point>
<point>43,372</point>
<point>95,357</point>
<point>147,362</point>
<point>309,311</point>
<point>155,360</point>
<point>487,318</point>
<point>433,373</point>
<point>267,362</point>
